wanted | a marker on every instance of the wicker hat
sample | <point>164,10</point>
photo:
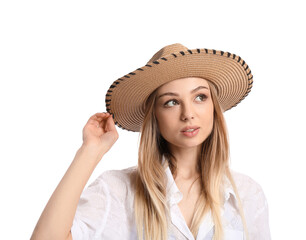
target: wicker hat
<point>230,74</point>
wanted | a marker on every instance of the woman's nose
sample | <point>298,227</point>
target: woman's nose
<point>187,113</point>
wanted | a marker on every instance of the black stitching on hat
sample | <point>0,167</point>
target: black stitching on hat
<point>246,68</point>
<point>126,76</point>
<point>206,50</point>
<point>234,55</point>
<point>109,91</point>
<point>222,53</point>
<point>250,85</point>
<point>249,73</point>
<point>107,95</point>
<point>107,100</point>
<point>140,69</point>
<point>190,51</point>
<point>165,59</point>
<point>228,54</point>
<point>214,51</point>
<point>198,50</point>
<point>107,105</point>
<point>131,73</point>
<point>116,83</point>
<point>148,65</point>
<point>181,52</point>
<point>242,99</point>
<point>239,59</point>
<point>156,62</point>
<point>112,86</point>
<point>243,62</point>
<point>108,109</point>
<point>246,95</point>
<point>174,55</point>
<point>120,79</point>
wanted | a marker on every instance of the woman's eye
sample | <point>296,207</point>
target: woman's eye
<point>167,103</point>
<point>202,97</point>
<point>173,102</point>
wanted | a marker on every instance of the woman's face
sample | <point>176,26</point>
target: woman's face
<point>184,103</point>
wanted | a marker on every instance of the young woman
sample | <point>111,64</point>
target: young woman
<point>183,187</point>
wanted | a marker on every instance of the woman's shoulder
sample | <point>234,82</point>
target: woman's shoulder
<point>248,188</point>
<point>118,182</point>
<point>121,175</point>
<point>246,185</point>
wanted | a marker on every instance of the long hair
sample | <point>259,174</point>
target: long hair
<point>151,209</point>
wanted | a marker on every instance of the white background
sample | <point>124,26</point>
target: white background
<point>58,59</point>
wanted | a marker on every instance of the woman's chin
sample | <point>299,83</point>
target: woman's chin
<point>187,145</point>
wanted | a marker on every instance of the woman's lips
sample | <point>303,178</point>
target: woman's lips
<point>189,127</point>
<point>191,134</point>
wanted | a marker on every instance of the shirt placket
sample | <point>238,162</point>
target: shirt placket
<point>205,227</point>
<point>179,222</point>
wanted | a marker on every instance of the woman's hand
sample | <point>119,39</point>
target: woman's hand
<point>99,133</point>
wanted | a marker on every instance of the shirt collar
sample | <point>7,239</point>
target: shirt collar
<point>174,195</point>
<point>229,192</point>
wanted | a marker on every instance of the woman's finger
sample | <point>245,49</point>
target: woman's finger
<point>110,125</point>
<point>100,115</point>
<point>96,118</point>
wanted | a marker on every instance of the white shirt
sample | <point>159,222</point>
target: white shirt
<point>106,211</point>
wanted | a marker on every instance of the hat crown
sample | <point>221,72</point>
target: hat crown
<point>167,50</point>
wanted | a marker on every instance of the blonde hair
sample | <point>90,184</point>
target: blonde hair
<point>151,209</point>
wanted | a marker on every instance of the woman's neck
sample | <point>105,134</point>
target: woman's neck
<point>187,163</point>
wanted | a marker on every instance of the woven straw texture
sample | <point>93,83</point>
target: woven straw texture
<point>229,73</point>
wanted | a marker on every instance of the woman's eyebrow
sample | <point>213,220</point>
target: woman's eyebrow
<point>175,94</point>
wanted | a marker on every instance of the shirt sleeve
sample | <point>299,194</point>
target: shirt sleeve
<point>92,211</point>
<point>257,216</point>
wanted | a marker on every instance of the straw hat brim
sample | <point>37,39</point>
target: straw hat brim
<point>230,74</point>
